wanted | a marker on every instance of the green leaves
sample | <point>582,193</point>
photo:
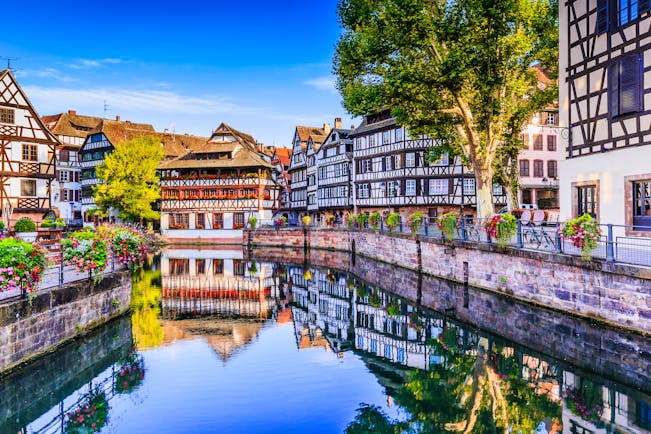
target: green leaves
<point>130,182</point>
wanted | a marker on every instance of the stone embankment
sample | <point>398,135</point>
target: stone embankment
<point>612,293</point>
<point>617,354</point>
<point>31,328</point>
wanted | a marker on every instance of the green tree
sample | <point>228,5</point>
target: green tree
<point>458,71</point>
<point>129,181</point>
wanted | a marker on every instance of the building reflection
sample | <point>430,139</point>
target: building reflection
<point>341,313</point>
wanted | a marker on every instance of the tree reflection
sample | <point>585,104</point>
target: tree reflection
<point>464,392</point>
<point>145,307</point>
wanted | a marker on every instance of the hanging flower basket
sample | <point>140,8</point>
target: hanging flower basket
<point>85,251</point>
<point>128,248</point>
<point>584,233</point>
<point>91,416</point>
<point>447,224</point>
<point>131,374</point>
<point>501,227</point>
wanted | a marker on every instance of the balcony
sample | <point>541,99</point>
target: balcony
<point>214,204</point>
<point>29,170</point>
<point>30,204</point>
<point>212,181</point>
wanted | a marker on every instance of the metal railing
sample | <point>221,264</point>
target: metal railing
<point>614,244</point>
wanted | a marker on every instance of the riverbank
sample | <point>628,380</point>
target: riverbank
<point>31,328</point>
<point>612,293</point>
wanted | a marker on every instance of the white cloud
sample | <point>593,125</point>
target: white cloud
<point>48,73</point>
<point>94,63</point>
<point>326,83</point>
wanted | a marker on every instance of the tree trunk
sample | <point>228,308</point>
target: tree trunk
<point>511,196</point>
<point>484,192</point>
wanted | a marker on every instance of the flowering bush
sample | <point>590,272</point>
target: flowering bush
<point>128,247</point>
<point>447,223</point>
<point>131,374</point>
<point>330,220</point>
<point>85,250</point>
<point>307,220</point>
<point>90,417</point>
<point>415,221</point>
<point>21,265</point>
<point>585,402</point>
<point>374,219</point>
<point>584,233</point>
<point>502,227</point>
<point>393,221</point>
<point>280,222</point>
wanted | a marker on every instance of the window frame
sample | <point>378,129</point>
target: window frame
<point>7,116</point>
<point>23,187</point>
<point>29,152</point>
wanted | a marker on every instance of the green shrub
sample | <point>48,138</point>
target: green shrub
<point>252,222</point>
<point>25,224</point>
<point>393,221</point>
<point>374,219</point>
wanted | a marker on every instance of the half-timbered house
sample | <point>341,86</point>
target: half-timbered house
<point>334,178</point>
<point>298,165</point>
<point>71,129</point>
<point>27,155</point>
<point>281,161</point>
<point>391,173</point>
<point>209,193</point>
<point>605,100</point>
<point>98,144</point>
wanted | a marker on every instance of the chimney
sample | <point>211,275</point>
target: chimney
<point>326,127</point>
<point>337,123</point>
<point>117,118</point>
<point>72,112</point>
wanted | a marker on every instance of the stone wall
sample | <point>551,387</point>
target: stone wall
<point>29,329</point>
<point>613,293</point>
<point>616,354</point>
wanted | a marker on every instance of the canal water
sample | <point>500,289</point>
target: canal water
<point>218,343</point>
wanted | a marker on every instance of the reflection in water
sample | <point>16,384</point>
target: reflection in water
<point>443,374</point>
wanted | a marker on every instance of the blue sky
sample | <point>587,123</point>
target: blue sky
<point>262,67</point>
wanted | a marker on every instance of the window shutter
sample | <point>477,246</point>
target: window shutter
<point>603,16</point>
<point>426,187</point>
<point>643,6</point>
<point>419,187</point>
<point>451,185</point>
<point>629,84</point>
<point>57,174</point>
<point>613,89</point>
<point>384,164</point>
<point>403,185</point>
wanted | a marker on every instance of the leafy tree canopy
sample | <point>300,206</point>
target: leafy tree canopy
<point>458,71</point>
<point>129,181</point>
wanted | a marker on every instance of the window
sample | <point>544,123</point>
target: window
<point>363,191</point>
<point>64,176</point>
<point>587,200</point>
<point>393,188</point>
<point>498,190</point>
<point>552,169</point>
<point>179,221</point>
<point>360,342</point>
<point>30,152</point>
<point>374,345</point>
<point>371,141</point>
<point>238,267</point>
<point>642,205</point>
<point>201,266</point>
<point>643,415</point>
<point>201,221</point>
<point>438,186</point>
<point>179,266</point>
<point>551,118</point>
<point>444,160</point>
<point>410,159</point>
<point>469,186</point>
<point>551,143</point>
<point>7,116</point>
<point>387,351</point>
<point>410,187</point>
<point>524,167</point>
<point>386,137</point>
<point>538,168</point>
<point>218,221</point>
<point>28,187</point>
<point>537,142</point>
<point>64,155</point>
<point>624,85</point>
<point>401,356</point>
<point>96,138</point>
<point>217,266</point>
<point>399,135</point>
<point>627,11</point>
<point>238,220</point>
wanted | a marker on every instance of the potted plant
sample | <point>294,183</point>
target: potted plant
<point>60,223</point>
<point>128,247</point>
<point>307,221</point>
<point>25,229</point>
<point>447,224</point>
<point>330,220</point>
<point>85,250</point>
<point>352,218</point>
<point>280,222</point>
<point>361,220</point>
<point>21,264</point>
<point>501,227</point>
<point>393,221</point>
<point>584,234</point>
<point>415,221</point>
<point>252,222</point>
<point>47,223</point>
<point>374,220</point>
<point>393,308</point>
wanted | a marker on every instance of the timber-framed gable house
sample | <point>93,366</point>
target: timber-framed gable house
<point>335,173</point>
<point>605,96</point>
<point>210,192</point>
<point>392,174</point>
<point>27,155</point>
